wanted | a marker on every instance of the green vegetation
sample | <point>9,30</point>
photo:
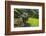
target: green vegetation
<point>27,17</point>
<point>33,21</point>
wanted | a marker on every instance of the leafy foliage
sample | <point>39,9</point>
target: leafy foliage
<point>29,16</point>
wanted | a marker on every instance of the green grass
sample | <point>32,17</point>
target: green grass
<point>33,22</point>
